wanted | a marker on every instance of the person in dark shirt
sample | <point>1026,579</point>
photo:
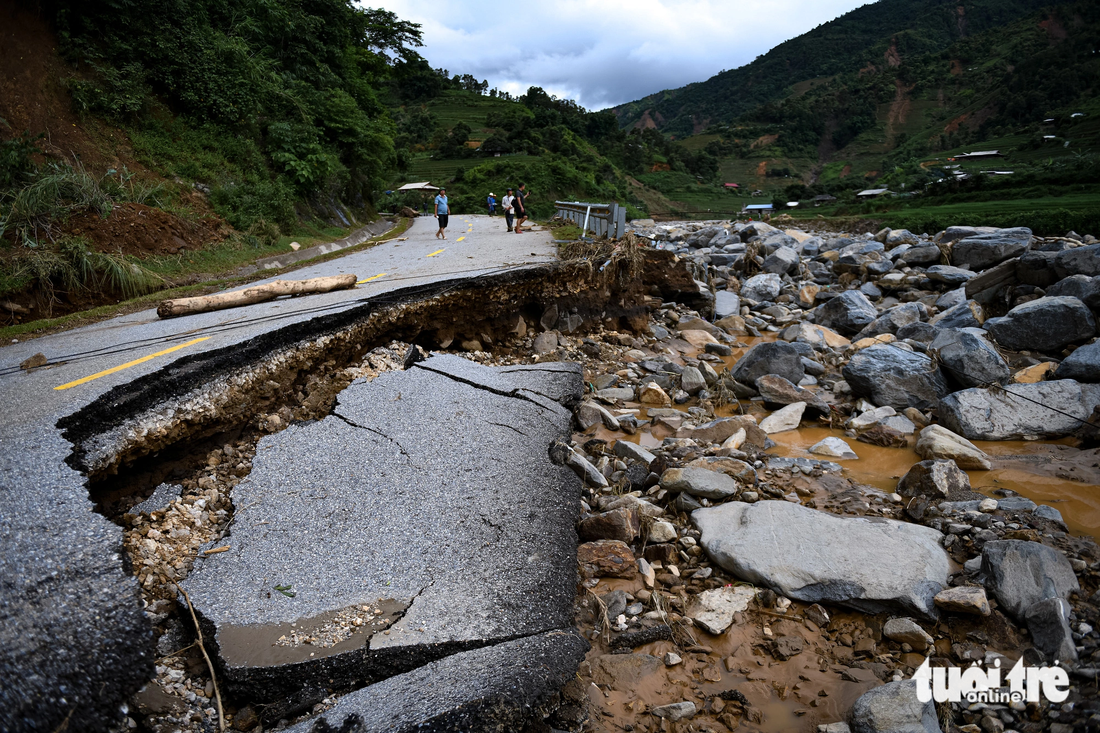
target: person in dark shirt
<point>519,204</point>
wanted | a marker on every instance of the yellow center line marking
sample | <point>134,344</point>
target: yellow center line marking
<point>129,364</point>
<point>433,254</point>
<point>457,240</point>
<point>375,277</point>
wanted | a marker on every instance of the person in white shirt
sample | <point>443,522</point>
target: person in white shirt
<point>506,207</point>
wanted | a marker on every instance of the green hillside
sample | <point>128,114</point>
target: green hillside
<point>876,35</point>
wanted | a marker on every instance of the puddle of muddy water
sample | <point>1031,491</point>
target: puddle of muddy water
<point>326,635</point>
<point>1028,468</point>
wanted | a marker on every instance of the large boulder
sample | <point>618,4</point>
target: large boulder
<point>1084,288</point>
<point>779,392</point>
<point>782,261</point>
<point>893,708</point>
<point>1018,411</point>
<point>949,275</point>
<point>847,314</point>
<point>889,375</point>
<point>937,441</point>
<point>1078,261</point>
<point>811,556</point>
<point>761,287</point>
<point>928,254</point>
<point>898,237</point>
<point>776,357</point>
<point>1021,573</point>
<point>1048,622</point>
<point>1082,365</point>
<point>985,250</point>
<point>968,360</point>
<point>1046,324</point>
<point>699,482</point>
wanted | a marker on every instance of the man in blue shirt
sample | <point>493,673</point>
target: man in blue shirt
<point>492,201</point>
<point>441,213</point>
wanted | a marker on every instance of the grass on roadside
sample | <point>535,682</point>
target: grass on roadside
<point>46,326</point>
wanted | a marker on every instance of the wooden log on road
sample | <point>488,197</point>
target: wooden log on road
<point>249,296</point>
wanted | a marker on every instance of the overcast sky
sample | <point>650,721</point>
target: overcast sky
<point>606,52</point>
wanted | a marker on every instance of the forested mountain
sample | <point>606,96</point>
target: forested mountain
<point>883,33</point>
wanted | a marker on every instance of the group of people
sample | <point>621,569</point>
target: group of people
<point>514,205</point>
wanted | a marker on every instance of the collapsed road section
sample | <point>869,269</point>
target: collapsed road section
<point>428,500</point>
<point>75,643</point>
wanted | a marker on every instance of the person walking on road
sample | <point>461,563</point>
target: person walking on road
<point>442,211</point>
<point>506,207</point>
<point>492,201</point>
<point>519,204</point>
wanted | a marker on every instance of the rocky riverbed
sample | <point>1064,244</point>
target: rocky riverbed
<point>855,454</point>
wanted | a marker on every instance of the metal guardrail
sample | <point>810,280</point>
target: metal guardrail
<point>603,220</point>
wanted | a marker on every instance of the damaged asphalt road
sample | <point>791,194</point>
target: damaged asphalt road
<point>428,489</point>
<point>75,641</point>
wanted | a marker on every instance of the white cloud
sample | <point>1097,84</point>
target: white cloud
<point>609,52</point>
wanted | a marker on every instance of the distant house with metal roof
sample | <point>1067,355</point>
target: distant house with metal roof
<point>731,185</point>
<point>421,186</point>
<point>978,154</point>
<point>823,199</point>
<point>758,207</point>
<point>871,193</point>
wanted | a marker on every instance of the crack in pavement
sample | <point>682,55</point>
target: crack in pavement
<point>515,393</point>
<point>354,424</point>
<point>503,425</point>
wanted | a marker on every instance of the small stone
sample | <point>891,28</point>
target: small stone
<point>652,394</point>
<point>606,558</point>
<point>672,659</point>
<point>714,610</point>
<point>907,631</point>
<point>662,532</point>
<point>676,711</point>
<point>964,599</point>
<point>833,447</point>
<point>783,420</point>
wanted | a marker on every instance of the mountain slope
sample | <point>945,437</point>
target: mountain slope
<point>876,35</point>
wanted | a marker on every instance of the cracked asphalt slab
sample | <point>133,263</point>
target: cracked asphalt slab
<point>431,489</point>
<point>74,642</point>
<point>491,689</point>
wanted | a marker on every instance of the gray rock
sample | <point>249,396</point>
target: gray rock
<point>624,394</point>
<point>1020,574</point>
<point>968,360</point>
<point>871,291</point>
<point>500,687</point>
<point>765,286</point>
<point>951,298</point>
<point>847,314</point>
<point>930,482</point>
<point>407,436</point>
<point>769,358</point>
<point>1046,324</point>
<point>907,631</point>
<point>985,250</point>
<point>785,419</point>
<point>894,319</point>
<point>963,315</point>
<point>633,452</point>
<point>937,441</point>
<point>1083,364</point>
<point>1018,411</point>
<point>726,304</point>
<point>1078,261</point>
<point>1048,512</point>
<point>162,498</point>
<point>777,241</point>
<point>810,556</point>
<point>699,482</point>
<point>584,469</point>
<point>928,254</point>
<point>778,391</point>
<point>1048,622</point>
<point>922,255</point>
<point>546,342</point>
<point>692,381</point>
<point>898,237</point>
<point>676,711</point>
<point>949,275</point>
<point>833,447</point>
<point>714,610</point>
<point>783,261</point>
<point>893,708</point>
<point>921,332</point>
<point>889,375</point>
<point>1084,288</point>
